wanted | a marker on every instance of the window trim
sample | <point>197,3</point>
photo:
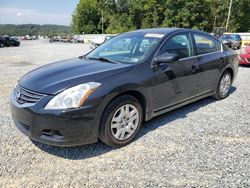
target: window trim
<point>206,36</point>
<point>191,36</point>
<point>188,33</point>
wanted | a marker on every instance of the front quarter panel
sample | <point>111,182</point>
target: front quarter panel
<point>137,79</point>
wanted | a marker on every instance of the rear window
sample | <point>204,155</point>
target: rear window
<point>206,44</point>
<point>237,37</point>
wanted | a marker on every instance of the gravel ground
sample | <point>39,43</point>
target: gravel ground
<point>205,144</point>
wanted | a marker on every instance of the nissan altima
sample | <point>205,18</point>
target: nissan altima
<point>108,93</point>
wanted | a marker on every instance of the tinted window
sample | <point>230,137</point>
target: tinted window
<point>178,44</point>
<point>205,44</point>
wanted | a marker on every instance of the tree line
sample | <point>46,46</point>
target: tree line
<point>34,29</point>
<point>116,16</point>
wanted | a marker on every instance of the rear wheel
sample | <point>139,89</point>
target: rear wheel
<point>121,121</point>
<point>224,86</point>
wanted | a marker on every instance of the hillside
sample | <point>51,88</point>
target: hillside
<point>33,29</point>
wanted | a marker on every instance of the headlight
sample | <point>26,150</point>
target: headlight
<point>73,97</point>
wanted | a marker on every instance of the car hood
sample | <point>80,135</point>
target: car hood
<point>56,77</point>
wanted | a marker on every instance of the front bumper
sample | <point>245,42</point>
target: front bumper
<point>54,127</point>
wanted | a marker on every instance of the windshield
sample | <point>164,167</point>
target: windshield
<point>226,37</point>
<point>127,48</point>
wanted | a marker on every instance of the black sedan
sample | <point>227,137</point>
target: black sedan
<point>131,78</point>
<point>8,41</point>
<point>233,41</point>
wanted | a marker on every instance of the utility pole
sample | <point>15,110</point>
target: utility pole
<point>102,22</point>
<point>229,13</point>
<point>215,22</point>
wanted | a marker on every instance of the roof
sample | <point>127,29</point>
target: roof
<point>167,30</point>
<point>157,30</point>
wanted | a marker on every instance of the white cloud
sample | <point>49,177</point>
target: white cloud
<point>19,14</point>
<point>25,16</point>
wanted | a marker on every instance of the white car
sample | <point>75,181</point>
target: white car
<point>98,41</point>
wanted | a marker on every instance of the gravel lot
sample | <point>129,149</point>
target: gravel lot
<point>205,144</point>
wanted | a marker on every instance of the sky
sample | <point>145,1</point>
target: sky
<point>37,11</point>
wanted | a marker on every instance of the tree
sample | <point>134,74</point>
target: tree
<point>119,18</point>
<point>219,11</point>
<point>125,15</point>
<point>153,13</point>
<point>188,14</point>
<point>240,16</point>
<point>86,18</point>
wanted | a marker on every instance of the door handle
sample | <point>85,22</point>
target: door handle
<point>194,68</point>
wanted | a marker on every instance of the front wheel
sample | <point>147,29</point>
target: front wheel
<point>121,121</point>
<point>224,86</point>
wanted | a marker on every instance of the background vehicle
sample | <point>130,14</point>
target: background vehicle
<point>218,31</point>
<point>55,39</point>
<point>98,41</point>
<point>8,41</point>
<point>245,55</point>
<point>233,41</point>
<point>110,91</point>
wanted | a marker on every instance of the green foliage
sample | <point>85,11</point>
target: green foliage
<point>240,16</point>
<point>86,18</point>
<point>123,23</point>
<point>219,12</point>
<point>32,29</point>
<point>125,15</point>
<point>188,14</point>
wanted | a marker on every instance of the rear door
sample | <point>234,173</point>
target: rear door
<point>176,81</point>
<point>211,60</point>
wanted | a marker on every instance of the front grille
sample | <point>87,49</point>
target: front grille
<point>26,96</point>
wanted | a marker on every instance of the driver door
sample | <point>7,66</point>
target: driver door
<point>176,81</point>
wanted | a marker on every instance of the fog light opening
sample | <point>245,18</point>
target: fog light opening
<point>52,133</point>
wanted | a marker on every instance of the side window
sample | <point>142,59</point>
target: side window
<point>178,44</point>
<point>205,44</point>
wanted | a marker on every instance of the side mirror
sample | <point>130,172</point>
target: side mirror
<point>165,58</point>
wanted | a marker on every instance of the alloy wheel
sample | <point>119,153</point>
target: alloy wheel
<point>125,122</point>
<point>225,84</point>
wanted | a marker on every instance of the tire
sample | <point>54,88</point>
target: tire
<point>117,130</point>
<point>226,81</point>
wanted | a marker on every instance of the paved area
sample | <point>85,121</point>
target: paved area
<point>205,144</point>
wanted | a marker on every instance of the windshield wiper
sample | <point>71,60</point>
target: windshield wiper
<point>104,59</point>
